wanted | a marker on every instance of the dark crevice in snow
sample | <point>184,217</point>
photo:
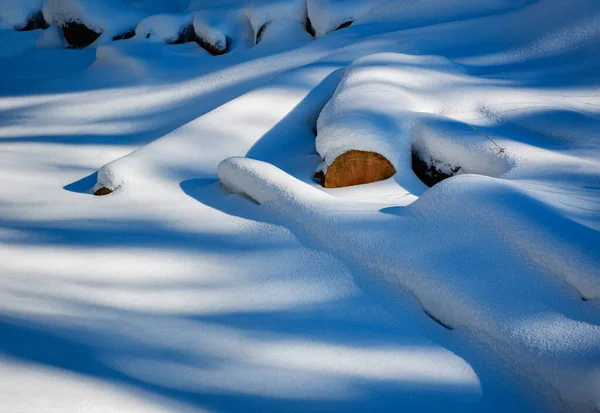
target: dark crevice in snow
<point>186,35</point>
<point>437,320</point>
<point>344,25</point>
<point>319,177</point>
<point>127,35</point>
<point>78,35</point>
<point>36,21</point>
<point>309,27</point>
<point>432,171</point>
<point>260,33</point>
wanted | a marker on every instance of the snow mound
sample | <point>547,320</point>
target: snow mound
<point>265,13</point>
<point>208,30</point>
<point>278,31</point>
<point>248,177</point>
<point>168,28</point>
<point>555,345</point>
<point>432,108</point>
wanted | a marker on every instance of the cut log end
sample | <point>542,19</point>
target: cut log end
<point>356,168</point>
<point>103,191</point>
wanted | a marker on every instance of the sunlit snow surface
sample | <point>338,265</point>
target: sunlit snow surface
<point>218,277</point>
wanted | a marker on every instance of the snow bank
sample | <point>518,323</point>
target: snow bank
<point>555,345</point>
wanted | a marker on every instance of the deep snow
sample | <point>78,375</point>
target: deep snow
<point>219,277</point>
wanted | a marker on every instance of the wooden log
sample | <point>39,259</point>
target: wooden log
<point>356,168</point>
<point>102,191</point>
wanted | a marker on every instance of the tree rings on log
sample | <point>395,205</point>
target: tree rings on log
<point>356,168</point>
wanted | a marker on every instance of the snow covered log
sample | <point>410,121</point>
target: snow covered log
<point>356,168</point>
<point>413,131</point>
<point>210,37</point>
<point>87,22</point>
<point>22,15</point>
<point>34,22</point>
<point>281,20</point>
<point>168,28</point>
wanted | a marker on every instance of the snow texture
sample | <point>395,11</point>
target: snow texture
<point>218,276</point>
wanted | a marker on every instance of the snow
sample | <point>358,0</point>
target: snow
<point>265,12</point>
<point>209,29</point>
<point>218,276</point>
<point>164,27</point>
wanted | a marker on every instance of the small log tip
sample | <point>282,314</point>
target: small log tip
<point>356,168</point>
<point>103,191</point>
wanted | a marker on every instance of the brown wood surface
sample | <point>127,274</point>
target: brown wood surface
<point>356,168</point>
<point>102,191</point>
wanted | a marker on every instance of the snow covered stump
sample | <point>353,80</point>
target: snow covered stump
<point>356,168</point>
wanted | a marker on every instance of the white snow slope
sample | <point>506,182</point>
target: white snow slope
<point>218,277</point>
